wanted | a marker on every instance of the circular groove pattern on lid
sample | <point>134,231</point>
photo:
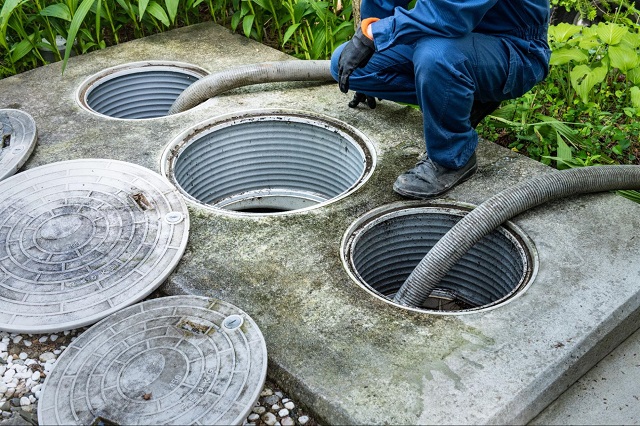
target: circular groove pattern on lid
<point>18,140</point>
<point>163,361</point>
<point>81,239</point>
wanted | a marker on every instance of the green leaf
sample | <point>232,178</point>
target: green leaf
<point>564,150</point>
<point>289,33</point>
<point>589,43</point>
<point>7,9</point>
<point>563,31</point>
<point>78,17</point>
<point>20,50</point>
<point>635,96</point>
<point>634,75</point>
<point>623,58</point>
<point>247,23</point>
<point>265,4</point>
<point>630,194</point>
<point>158,12</point>
<point>235,20</point>
<point>58,10</point>
<point>565,55</point>
<point>631,40</point>
<point>142,8</point>
<point>172,9</point>
<point>611,33</point>
<point>584,78</point>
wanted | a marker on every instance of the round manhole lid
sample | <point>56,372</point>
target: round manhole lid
<point>81,239</point>
<point>19,137</point>
<point>173,360</point>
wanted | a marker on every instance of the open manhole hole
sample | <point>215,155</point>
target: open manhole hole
<point>268,162</point>
<point>19,136</point>
<point>138,90</point>
<point>381,249</point>
<point>81,239</point>
<point>179,360</point>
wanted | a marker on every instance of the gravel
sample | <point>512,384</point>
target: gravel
<point>26,359</point>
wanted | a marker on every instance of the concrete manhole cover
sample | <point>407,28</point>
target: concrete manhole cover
<point>82,239</point>
<point>173,360</point>
<point>19,137</point>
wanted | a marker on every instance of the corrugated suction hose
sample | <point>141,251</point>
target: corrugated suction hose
<point>501,207</point>
<point>265,72</point>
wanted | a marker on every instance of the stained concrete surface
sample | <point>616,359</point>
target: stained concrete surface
<point>347,357</point>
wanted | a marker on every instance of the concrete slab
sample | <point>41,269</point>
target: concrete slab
<point>607,395</point>
<point>346,356</point>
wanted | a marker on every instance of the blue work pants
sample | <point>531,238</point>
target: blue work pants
<point>444,76</point>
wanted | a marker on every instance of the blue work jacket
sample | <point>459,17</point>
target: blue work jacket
<point>524,19</point>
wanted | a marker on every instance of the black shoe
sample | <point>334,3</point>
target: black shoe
<point>429,179</point>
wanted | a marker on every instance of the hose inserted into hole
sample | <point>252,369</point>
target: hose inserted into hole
<point>500,208</point>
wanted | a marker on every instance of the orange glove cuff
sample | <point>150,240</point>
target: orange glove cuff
<point>365,24</point>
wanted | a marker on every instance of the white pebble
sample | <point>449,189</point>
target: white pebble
<point>66,332</point>
<point>36,388</point>
<point>8,375</point>
<point>259,410</point>
<point>3,388</point>
<point>6,340</point>
<point>30,362</point>
<point>17,339</point>
<point>35,376</point>
<point>27,408</point>
<point>285,400</point>
<point>32,399</point>
<point>3,347</point>
<point>279,394</point>
<point>43,339</point>
<point>53,337</point>
<point>287,421</point>
<point>303,420</point>
<point>253,417</point>
<point>27,343</point>
<point>47,356</point>
<point>289,405</point>
<point>62,348</point>
<point>2,369</point>
<point>275,407</point>
<point>269,419</point>
<point>283,413</point>
<point>266,392</point>
<point>37,394</point>
<point>24,401</point>
<point>23,355</point>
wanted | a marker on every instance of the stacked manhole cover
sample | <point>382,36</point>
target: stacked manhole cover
<point>19,137</point>
<point>82,239</point>
<point>174,360</point>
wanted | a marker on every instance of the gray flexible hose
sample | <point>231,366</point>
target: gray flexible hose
<point>265,72</point>
<point>501,207</point>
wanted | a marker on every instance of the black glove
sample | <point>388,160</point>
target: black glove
<point>362,98</point>
<point>355,54</point>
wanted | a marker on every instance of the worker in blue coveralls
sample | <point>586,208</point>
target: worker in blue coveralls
<point>457,60</point>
